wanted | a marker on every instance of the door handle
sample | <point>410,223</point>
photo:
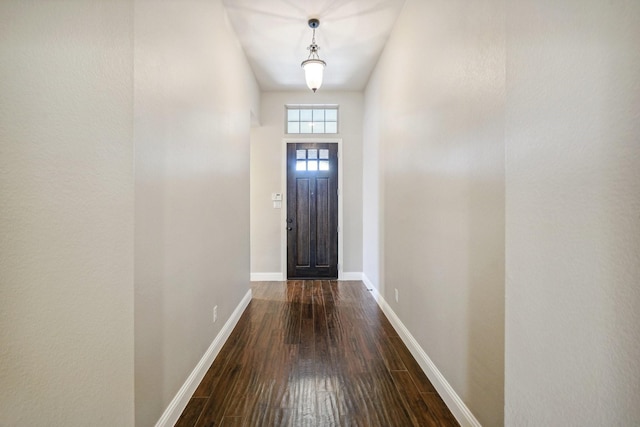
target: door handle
<point>289,228</point>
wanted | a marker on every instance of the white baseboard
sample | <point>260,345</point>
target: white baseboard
<point>179,402</point>
<point>279,277</point>
<point>369,284</point>
<point>345,275</point>
<point>455,404</point>
<point>267,277</point>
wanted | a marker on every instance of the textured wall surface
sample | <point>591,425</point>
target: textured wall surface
<point>572,206</point>
<point>193,94</point>
<point>372,188</point>
<point>434,112</point>
<point>266,175</point>
<point>66,213</point>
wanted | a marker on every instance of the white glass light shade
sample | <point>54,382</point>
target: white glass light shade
<point>313,69</point>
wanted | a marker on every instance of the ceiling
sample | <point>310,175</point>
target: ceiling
<point>275,36</point>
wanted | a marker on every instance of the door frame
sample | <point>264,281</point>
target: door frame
<point>283,210</point>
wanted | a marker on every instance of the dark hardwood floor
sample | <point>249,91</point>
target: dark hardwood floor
<point>314,353</point>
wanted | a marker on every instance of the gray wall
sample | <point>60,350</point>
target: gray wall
<point>544,240</point>
<point>193,96</point>
<point>434,216</point>
<point>572,204</point>
<point>82,84</point>
<point>66,213</point>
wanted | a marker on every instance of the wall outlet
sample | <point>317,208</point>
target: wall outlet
<point>215,314</point>
<point>396,294</point>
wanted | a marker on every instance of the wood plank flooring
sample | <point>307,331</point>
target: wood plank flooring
<point>314,353</point>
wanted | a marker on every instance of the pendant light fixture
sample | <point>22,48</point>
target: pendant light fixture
<point>313,66</point>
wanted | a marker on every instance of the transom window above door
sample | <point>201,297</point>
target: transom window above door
<point>311,119</point>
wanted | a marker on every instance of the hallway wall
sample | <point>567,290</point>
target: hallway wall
<point>572,209</point>
<point>266,175</point>
<point>193,94</point>
<point>66,213</point>
<point>555,86</point>
<point>434,181</point>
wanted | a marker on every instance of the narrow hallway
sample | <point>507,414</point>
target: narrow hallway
<point>488,192</point>
<point>315,353</point>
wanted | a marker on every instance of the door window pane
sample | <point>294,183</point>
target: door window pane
<point>312,160</point>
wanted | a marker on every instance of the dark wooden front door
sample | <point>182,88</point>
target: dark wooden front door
<point>312,210</point>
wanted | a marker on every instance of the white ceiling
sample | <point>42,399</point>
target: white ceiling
<point>275,36</point>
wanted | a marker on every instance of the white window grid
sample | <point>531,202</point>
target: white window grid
<point>311,119</point>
